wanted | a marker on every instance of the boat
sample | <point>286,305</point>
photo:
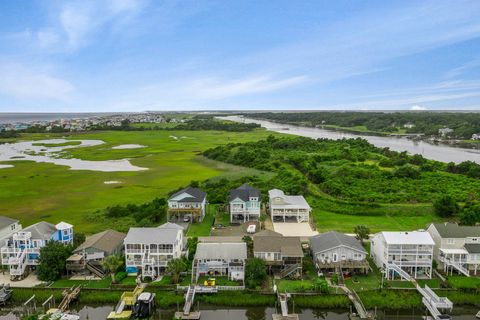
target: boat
<point>144,306</point>
<point>478,315</point>
<point>57,314</point>
<point>5,293</point>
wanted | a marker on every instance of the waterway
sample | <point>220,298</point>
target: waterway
<point>256,313</point>
<point>439,152</point>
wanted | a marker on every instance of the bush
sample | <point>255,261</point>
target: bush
<point>119,276</point>
<point>445,206</point>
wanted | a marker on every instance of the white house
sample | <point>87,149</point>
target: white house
<point>8,226</point>
<point>476,136</point>
<point>444,131</point>
<point>456,247</point>
<point>286,208</point>
<point>407,254</point>
<point>333,249</point>
<point>148,250</point>
<point>189,202</point>
<point>245,204</point>
<point>220,259</point>
<point>22,249</point>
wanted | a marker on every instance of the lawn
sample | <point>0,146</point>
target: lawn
<point>462,282</point>
<point>219,281</point>
<point>358,283</point>
<point>203,229</point>
<point>92,284</point>
<point>44,191</point>
<point>294,285</point>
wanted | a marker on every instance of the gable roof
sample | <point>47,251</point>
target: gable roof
<point>244,192</point>
<point>6,221</point>
<point>227,251</point>
<point>171,225</point>
<point>271,241</point>
<point>106,241</point>
<point>472,247</point>
<point>41,230</point>
<point>287,201</point>
<point>333,239</point>
<point>453,230</point>
<point>410,237</point>
<point>195,195</point>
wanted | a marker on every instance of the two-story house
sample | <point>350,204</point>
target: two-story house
<point>404,254</point>
<point>188,203</point>
<point>148,250</point>
<point>22,249</point>
<point>457,248</point>
<point>8,226</point>
<point>245,204</point>
<point>333,249</point>
<point>219,259</point>
<point>285,208</point>
<point>282,255</point>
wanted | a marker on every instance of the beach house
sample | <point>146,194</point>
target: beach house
<point>286,208</point>
<point>187,204</point>
<point>245,204</point>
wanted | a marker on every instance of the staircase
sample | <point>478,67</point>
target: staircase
<point>288,270</point>
<point>189,297</point>
<point>18,264</point>
<point>403,274</point>
<point>457,266</point>
<point>95,268</point>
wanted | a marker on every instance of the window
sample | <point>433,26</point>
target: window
<point>12,227</point>
<point>451,241</point>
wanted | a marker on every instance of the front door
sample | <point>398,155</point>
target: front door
<point>335,257</point>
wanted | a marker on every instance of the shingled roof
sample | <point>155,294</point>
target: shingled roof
<point>333,239</point>
<point>106,241</point>
<point>195,195</point>
<point>271,241</point>
<point>453,230</point>
<point>6,221</point>
<point>41,230</point>
<point>244,192</point>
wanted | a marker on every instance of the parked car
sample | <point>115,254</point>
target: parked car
<point>186,219</point>
<point>251,228</point>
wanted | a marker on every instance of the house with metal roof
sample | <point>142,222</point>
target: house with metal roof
<point>282,255</point>
<point>333,250</point>
<point>189,202</point>
<point>22,249</point>
<point>244,204</point>
<point>407,254</point>
<point>216,259</point>
<point>286,208</point>
<point>457,248</point>
<point>148,250</point>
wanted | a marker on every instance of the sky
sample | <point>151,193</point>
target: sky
<point>139,55</point>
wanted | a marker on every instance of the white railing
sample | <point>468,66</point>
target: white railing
<point>22,236</point>
<point>230,288</point>
<point>143,251</point>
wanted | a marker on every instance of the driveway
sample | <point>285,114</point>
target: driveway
<point>28,282</point>
<point>237,230</point>
<point>294,229</point>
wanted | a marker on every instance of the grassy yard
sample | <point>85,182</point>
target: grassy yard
<point>371,281</point>
<point>285,285</point>
<point>93,284</point>
<point>462,282</point>
<point>219,281</point>
<point>44,191</point>
<point>203,229</point>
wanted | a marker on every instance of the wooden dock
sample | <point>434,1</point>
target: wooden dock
<point>283,300</point>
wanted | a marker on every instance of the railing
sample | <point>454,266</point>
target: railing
<point>410,251</point>
<point>411,263</point>
<point>22,236</point>
<point>153,251</point>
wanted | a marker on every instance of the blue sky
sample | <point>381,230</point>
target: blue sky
<point>136,55</point>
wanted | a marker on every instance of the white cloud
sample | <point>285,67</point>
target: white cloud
<point>21,82</point>
<point>418,108</point>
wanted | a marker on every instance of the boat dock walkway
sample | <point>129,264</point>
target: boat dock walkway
<point>283,300</point>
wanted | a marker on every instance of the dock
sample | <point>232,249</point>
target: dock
<point>283,301</point>
<point>69,295</point>
<point>362,312</point>
<point>123,310</point>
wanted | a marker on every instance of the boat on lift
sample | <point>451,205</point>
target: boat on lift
<point>144,306</point>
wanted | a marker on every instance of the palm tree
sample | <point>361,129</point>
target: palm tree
<point>174,268</point>
<point>112,263</point>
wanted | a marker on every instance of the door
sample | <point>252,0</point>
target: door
<point>335,257</point>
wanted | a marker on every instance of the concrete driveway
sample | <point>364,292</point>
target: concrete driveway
<point>294,229</point>
<point>28,282</point>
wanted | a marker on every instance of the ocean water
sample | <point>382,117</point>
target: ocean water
<point>14,117</point>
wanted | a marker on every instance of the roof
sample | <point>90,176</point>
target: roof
<point>41,230</point>
<point>63,225</point>
<point>408,237</point>
<point>453,230</point>
<point>472,247</point>
<point>287,201</point>
<point>271,241</point>
<point>220,239</point>
<point>75,258</point>
<point>226,251</point>
<point>334,239</point>
<point>106,241</point>
<point>166,233</point>
<point>6,221</point>
<point>195,195</point>
<point>244,192</point>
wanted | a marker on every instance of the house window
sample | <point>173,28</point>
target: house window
<point>451,241</point>
<point>12,227</point>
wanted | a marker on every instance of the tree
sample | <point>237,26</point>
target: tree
<point>362,232</point>
<point>78,239</point>
<point>255,272</point>
<point>321,285</point>
<point>248,240</point>
<point>53,257</point>
<point>470,216</point>
<point>192,247</point>
<point>262,219</point>
<point>445,206</point>
<point>112,263</point>
<point>174,268</point>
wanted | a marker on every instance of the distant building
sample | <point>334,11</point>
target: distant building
<point>476,136</point>
<point>444,131</point>
<point>245,204</point>
<point>285,208</point>
<point>409,125</point>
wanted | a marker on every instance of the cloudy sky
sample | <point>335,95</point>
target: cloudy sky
<point>135,55</point>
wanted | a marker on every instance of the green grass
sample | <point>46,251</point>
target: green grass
<point>294,285</point>
<point>203,229</point>
<point>462,282</point>
<point>95,284</point>
<point>358,283</point>
<point>42,191</point>
<point>219,281</point>
<point>48,145</point>
<point>129,281</point>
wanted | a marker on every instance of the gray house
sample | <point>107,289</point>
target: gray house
<point>189,202</point>
<point>101,245</point>
<point>220,259</point>
<point>8,226</point>
<point>334,250</point>
<point>245,204</point>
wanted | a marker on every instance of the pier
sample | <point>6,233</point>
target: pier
<point>283,301</point>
